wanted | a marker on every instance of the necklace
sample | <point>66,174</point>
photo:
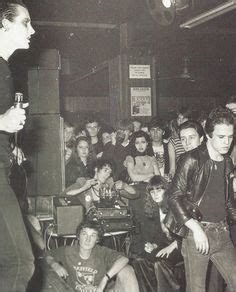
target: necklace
<point>143,161</point>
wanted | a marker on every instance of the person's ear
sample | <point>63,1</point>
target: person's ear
<point>6,24</point>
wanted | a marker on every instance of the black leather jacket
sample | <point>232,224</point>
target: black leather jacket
<point>190,181</point>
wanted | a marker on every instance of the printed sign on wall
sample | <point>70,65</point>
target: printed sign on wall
<point>141,101</point>
<point>139,72</point>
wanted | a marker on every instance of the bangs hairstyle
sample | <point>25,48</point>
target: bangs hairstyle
<point>136,135</point>
<point>96,226</point>
<point>8,10</point>
<point>219,115</point>
<point>156,182</point>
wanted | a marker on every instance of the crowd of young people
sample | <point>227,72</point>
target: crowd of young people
<point>134,160</point>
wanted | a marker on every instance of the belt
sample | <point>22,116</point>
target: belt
<point>215,225</point>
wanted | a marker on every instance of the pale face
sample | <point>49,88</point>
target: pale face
<point>106,137</point>
<point>232,107</point>
<point>20,30</point>
<point>222,138</point>
<point>157,195</point>
<point>92,129</point>
<point>68,133</point>
<point>156,134</point>
<point>88,238</point>
<point>103,174</point>
<point>181,119</point>
<point>141,144</point>
<point>137,126</point>
<point>190,139</point>
<point>83,149</point>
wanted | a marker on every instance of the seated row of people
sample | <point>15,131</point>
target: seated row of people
<point>136,157</point>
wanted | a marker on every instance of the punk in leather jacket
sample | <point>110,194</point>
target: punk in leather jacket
<point>190,181</point>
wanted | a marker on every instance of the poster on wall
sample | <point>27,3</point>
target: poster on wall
<point>141,101</point>
<point>139,72</point>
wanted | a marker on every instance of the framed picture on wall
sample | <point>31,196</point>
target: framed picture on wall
<point>141,101</point>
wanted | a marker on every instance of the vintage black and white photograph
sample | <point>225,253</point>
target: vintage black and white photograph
<point>117,147</point>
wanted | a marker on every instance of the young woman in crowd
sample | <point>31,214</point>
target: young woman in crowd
<point>141,167</point>
<point>156,265</point>
<point>141,163</point>
<point>81,160</point>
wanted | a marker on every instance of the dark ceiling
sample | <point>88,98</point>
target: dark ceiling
<point>87,32</point>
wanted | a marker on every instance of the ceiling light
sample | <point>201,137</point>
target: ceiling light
<point>210,14</point>
<point>167,3</point>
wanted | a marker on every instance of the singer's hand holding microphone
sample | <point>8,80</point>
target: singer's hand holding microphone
<point>13,119</point>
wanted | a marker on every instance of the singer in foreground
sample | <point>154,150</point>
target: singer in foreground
<point>16,258</point>
<point>202,176</point>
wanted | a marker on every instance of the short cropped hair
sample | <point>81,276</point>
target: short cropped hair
<point>8,9</point>
<point>157,123</point>
<point>219,115</point>
<point>95,225</point>
<point>194,125</point>
<point>125,124</point>
<point>91,118</point>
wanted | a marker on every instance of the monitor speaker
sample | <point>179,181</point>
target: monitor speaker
<point>68,218</point>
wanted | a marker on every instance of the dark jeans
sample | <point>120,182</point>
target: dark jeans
<point>16,258</point>
<point>222,253</point>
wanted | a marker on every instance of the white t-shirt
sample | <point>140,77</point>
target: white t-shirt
<point>159,154</point>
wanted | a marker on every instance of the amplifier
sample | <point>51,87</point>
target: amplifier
<point>68,218</point>
<point>114,225</point>
<point>109,213</point>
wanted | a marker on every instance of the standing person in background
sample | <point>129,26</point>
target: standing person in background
<point>118,148</point>
<point>69,139</point>
<point>191,135</point>
<point>16,258</point>
<point>137,125</point>
<point>175,146</point>
<point>92,128</point>
<point>156,129</point>
<point>202,176</point>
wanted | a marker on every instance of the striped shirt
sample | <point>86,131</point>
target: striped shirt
<point>178,147</point>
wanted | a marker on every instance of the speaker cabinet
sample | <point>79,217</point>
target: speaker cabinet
<point>45,142</point>
<point>43,88</point>
<point>68,218</point>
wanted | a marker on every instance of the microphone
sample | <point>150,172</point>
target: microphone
<point>18,100</point>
